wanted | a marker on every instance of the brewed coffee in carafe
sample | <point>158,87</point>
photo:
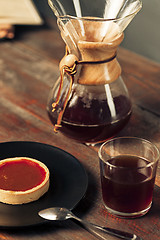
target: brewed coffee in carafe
<point>89,102</point>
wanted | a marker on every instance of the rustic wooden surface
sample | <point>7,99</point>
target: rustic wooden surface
<point>28,69</point>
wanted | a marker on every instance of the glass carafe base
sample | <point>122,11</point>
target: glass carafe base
<point>95,127</point>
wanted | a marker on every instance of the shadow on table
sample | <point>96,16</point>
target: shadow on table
<point>155,209</point>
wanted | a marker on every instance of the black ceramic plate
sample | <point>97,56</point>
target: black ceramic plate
<point>68,182</point>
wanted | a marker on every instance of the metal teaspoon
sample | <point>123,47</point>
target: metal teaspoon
<point>57,213</point>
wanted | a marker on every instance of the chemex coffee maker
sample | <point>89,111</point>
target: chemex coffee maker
<point>89,102</point>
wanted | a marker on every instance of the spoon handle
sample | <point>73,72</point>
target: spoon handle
<point>120,234</point>
<point>111,231</point>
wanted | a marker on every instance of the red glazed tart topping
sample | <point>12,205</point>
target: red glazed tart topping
<point>21,175</point>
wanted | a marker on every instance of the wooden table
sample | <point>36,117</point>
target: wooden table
<point>28,69</point>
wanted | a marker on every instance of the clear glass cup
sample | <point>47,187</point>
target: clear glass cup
<point>128,169</point>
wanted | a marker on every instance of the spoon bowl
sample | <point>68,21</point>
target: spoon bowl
<point>55,213</point>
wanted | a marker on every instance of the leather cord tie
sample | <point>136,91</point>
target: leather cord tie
<point>71,71</point>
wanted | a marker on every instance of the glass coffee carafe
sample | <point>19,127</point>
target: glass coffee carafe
<point>89,102</point>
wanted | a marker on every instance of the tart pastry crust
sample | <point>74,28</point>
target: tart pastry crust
<point>25,196</point>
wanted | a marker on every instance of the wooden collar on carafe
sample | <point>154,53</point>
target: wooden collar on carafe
<point>93,71</point>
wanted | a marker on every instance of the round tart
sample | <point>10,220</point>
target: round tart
<point>22,180</point>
